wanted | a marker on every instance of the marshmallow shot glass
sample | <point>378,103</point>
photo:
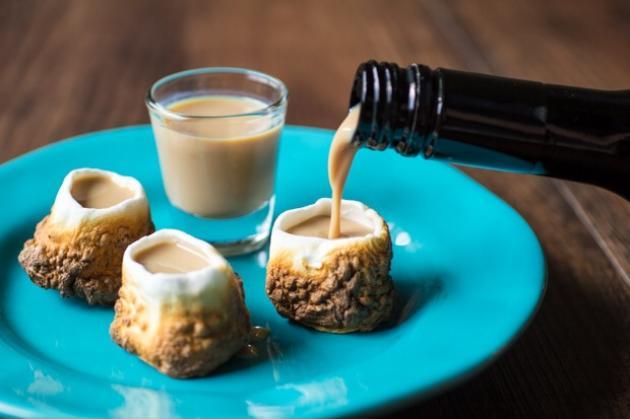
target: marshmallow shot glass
<point>217,132</point>
<point>332,285</point>
<point>78,248</point>
<point>181,306</point>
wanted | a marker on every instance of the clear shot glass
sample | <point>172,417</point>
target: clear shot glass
<point>217,131</point>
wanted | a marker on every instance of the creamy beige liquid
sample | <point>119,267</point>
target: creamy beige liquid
<point>218,167</point>
<point>340,158</point>
<point>318,227</point>
<point>171,257</point>
<point>97,191</point>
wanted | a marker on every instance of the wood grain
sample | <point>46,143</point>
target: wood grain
<point>74,66</point>
<point>570,49</point>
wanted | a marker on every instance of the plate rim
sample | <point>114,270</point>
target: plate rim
<point>402,398</point>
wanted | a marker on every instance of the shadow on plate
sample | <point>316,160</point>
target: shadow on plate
<point>413,295</point>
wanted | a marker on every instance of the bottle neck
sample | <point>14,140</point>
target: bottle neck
<point>496,123</point>
<point>396,106</point>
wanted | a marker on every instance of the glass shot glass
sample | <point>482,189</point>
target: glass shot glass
<point>217,134</point>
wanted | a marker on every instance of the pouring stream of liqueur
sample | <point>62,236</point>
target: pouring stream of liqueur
<point>340,157</point>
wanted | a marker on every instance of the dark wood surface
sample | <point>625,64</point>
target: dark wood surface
<point>75,66</point>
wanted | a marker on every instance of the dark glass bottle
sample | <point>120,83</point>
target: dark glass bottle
<point>496,123</point>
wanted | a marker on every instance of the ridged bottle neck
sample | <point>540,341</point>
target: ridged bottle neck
<point>496,122</point>
<point>396,106</point>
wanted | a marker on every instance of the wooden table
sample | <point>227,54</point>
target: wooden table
<point>75,66</point>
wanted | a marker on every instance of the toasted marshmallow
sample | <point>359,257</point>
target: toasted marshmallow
<point>68,213</point>
<point>78,249</point>
<point>340,285</point>
<point>184,323</point>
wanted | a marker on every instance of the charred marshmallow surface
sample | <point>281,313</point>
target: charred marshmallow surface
<point>183,322</point>
<point>340,285</point>
<point>77,249</point>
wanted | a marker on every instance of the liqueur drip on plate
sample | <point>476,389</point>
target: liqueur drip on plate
<point>257,334</point>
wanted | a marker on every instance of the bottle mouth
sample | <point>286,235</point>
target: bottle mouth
<point>366,91</point>
<point>395,106</point>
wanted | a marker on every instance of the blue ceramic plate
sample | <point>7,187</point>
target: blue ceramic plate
<point>469,271</point>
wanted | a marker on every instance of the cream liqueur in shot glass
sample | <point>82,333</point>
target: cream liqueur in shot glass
<point>217,133</point>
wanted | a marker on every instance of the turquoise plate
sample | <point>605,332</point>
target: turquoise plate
<point>469,270</point>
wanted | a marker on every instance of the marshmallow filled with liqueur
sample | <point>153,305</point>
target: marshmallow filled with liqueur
<point>338,285</point>
<point>77,249</point>
<point>181,307</point>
